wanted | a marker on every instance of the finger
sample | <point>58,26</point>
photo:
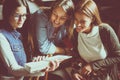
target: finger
<point>47,56</point>
<point>78,77</point>
<point>88,73</point>
<point>47,69</point>
<point>85,73</point>
<point>57,63</point>
<point>52,65</point>
<point>42,57</point>
<point>39,58</point>
<point>34,59</point>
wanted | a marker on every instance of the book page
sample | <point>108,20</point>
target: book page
<point>38,66</point>
<point>59,57</point>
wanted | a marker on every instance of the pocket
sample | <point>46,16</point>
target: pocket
<point>16,47</point>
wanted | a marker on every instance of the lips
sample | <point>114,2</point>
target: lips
<point>20,22</point>
<point>78,29</point>
<point>56,25</point>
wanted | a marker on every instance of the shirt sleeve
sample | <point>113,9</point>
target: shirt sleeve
<point>9,61</point>
<point>114,46</point>
<point>44,44</point>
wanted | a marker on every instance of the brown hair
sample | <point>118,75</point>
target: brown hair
<point>10,6</point>
<point>89,8</point>
<point>68,7</point>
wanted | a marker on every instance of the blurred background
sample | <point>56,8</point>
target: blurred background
<point>109,11</point>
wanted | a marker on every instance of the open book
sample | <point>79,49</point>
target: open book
<point>37,66</point>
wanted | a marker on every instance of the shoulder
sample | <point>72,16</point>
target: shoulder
<point>105,26</point>
<point>39,16</point>
<point>2,37</point>
<point>40,13</point>
<point>3,41</point>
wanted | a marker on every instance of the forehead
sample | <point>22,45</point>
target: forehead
<point>60,11</point>
<point>21,9</point>
<point>80,16</point>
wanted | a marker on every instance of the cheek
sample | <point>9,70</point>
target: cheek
<point>77,30</point>
<point>88,24</point>
<point>12,21</point>
<point>52,18</point>
<point>76,23</point>
<point>62,22</point>
<point>24,20</point>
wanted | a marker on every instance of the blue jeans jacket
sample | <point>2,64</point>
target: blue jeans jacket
<point>13,38</point>
<point>45,40</point>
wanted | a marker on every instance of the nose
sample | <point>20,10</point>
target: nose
<point>57,20</point>
<point>22,18</point>
<point>78,24</point>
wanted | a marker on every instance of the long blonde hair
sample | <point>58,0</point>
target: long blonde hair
<point>68,7</point>
<point>89,8</point>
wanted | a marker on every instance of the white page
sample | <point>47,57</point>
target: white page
<point>38,66</point>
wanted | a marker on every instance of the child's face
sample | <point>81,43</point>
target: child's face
<point>83,23</point>
<point>58,17</point>
<point>18,18</point>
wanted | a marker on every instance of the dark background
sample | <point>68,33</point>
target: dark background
<point>109,11</point>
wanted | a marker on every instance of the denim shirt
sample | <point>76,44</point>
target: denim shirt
<point>45,40</point>
<point>15,42</point>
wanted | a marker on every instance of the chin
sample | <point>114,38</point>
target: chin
<point>20,26</point>
<point>56,26</point>
<point>78,30</point>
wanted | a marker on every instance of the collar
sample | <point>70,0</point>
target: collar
<point>16,34</point>
<point>94,31</point>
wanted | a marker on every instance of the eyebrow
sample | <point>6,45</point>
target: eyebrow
<point>56,12</point>
<point>20,13</point>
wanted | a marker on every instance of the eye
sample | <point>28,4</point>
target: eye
<point>24,15</point>
<point>17,15</point>
<point>63,18</point>
<point>75,19</point>
<point>53,13</point>
<point>82,21</point>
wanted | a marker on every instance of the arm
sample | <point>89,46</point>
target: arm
<point>9,60</point>
<point>104,63</point>
<point>45,45</point>
<point>111,43</point>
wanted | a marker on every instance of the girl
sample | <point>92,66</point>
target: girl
<point>12,55</point>
<point>49,28</point>
<point>95,43</point>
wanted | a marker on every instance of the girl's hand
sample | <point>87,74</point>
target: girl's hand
<point>68,51</point>
<point>86,70</point>
<point>53,65</point>
<point>39,58</point>
<point>77,76</point>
